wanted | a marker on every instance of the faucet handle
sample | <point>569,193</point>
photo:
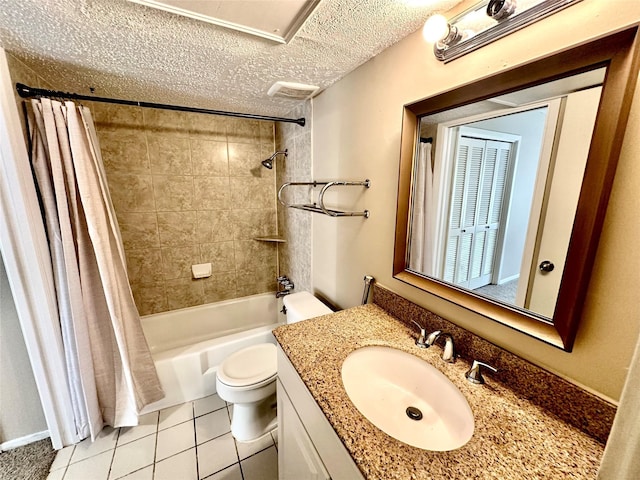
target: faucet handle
<point>420,342</point>
<point>474,375</point>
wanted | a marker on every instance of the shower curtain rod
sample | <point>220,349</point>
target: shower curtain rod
<point>26,92</point>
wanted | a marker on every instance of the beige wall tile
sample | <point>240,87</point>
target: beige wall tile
<point>173,192</point>
<point>150,299</point>
<point>124,151</point>
<point>144,267</point>
<point>253,255</point>
<point>214,226</point>
<point>110,117</point>
<point>169,155</point>
<point>209,157</point>
<point>220,286</point>
<point>131,193</point>
<point>177,228</point>
<point>177,261</point>
<point>220,255</point>
<point>256,281</point>
<point>249,192</point>
<point>243,131</point>
<point>184,293</point>
<point>179,212</point>
<point>139,230</point>
<point>167,122</point>
<point>267,130</point>
<point>211,193</point>
<point>210,127</point>
<point>250,223</point>
<point>245,161</point>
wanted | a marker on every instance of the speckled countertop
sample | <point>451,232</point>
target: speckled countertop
<point>513,439</point>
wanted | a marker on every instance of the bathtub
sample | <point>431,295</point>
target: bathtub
<point>189,344</point>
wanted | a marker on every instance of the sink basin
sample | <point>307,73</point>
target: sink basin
<point>407,398</point>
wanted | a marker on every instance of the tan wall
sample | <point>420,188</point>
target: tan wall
<point>357,126</point>
<point>187,189</point>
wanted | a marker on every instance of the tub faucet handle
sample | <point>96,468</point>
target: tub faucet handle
<point>420,342</point>
<point>474,375</point>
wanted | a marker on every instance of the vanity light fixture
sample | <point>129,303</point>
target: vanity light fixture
<point>435,28</point>
<point>484,23</point>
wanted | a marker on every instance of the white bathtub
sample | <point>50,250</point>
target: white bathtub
<point>188,344</point>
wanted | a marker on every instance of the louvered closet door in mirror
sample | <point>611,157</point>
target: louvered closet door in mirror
<point>477,209</point>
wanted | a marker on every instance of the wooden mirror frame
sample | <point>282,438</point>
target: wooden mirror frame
<point>619,52</point>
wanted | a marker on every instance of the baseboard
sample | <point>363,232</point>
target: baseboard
<point>22,441</point>
<point>508,279</point>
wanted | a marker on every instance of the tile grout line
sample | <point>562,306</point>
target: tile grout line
<point>155,448</point>
<point>113,455</point>
<point>195,438</point>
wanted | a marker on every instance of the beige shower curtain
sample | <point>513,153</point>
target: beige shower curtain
<point>110,372</point>
<point>621,460</point>
<point>422,235</point>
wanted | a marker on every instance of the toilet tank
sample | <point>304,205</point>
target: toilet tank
<point>303,305</point>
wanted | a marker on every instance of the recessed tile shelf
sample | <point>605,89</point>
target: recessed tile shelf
<point>274,239</point>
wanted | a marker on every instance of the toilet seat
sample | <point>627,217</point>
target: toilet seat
<point>250,367</point>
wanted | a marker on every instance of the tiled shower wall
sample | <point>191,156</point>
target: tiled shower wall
<point>187,189</point>
<point>295,225</point>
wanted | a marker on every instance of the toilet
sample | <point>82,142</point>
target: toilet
<point>247,378</point>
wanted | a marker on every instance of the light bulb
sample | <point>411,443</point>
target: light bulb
<point>435,28</point>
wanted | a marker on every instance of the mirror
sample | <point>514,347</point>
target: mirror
<point>504,183</point>
<point>495,189</point>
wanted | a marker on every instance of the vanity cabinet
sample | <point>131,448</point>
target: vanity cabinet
<point>308,447</point>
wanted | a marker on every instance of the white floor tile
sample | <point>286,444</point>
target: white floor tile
<point>261,466</point>
<point>174,440</point>
<point>208,404</point>
<point>62,458</point>
<point>231,473</point>
<point>178,467</point>
<point>216,455</point>
<point>147,425</point>
<point>106,440</point>
<point>246,449</point>
<point>93,468</point>
<point>212,425</point>
<point>175,415</point>
<point>133,456</point>
<point>142,474</point>
<point>56,474</point>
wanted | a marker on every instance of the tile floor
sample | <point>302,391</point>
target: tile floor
<point>191,441</point>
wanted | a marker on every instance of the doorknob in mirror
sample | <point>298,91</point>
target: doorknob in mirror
<point>546,266</point>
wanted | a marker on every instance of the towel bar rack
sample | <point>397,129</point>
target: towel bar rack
<point>319,207</point>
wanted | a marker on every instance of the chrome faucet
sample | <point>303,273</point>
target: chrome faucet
<point>474,375</point>
<point>420,342</point>
<point>286,284</point>
<point>449,353</point>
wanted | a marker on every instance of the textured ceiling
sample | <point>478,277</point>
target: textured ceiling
<point>126,50</point>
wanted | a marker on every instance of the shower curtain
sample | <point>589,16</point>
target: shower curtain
<point>421,249</point>
<point>110,372</point>
<point>621,460</point>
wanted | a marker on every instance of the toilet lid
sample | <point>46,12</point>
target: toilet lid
<point>249,366</point>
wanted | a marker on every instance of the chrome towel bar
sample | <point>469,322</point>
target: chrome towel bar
<point>319,206</point>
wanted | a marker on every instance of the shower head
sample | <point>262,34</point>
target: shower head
<point>269,161</point>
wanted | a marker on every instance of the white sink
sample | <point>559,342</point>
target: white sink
<point>383,383</point>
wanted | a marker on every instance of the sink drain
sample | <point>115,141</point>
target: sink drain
<point>414,413</point>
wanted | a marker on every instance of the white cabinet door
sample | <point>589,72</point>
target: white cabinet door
<point>297,457</point>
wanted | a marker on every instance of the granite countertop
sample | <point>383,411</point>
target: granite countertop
<point>513,439</point>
